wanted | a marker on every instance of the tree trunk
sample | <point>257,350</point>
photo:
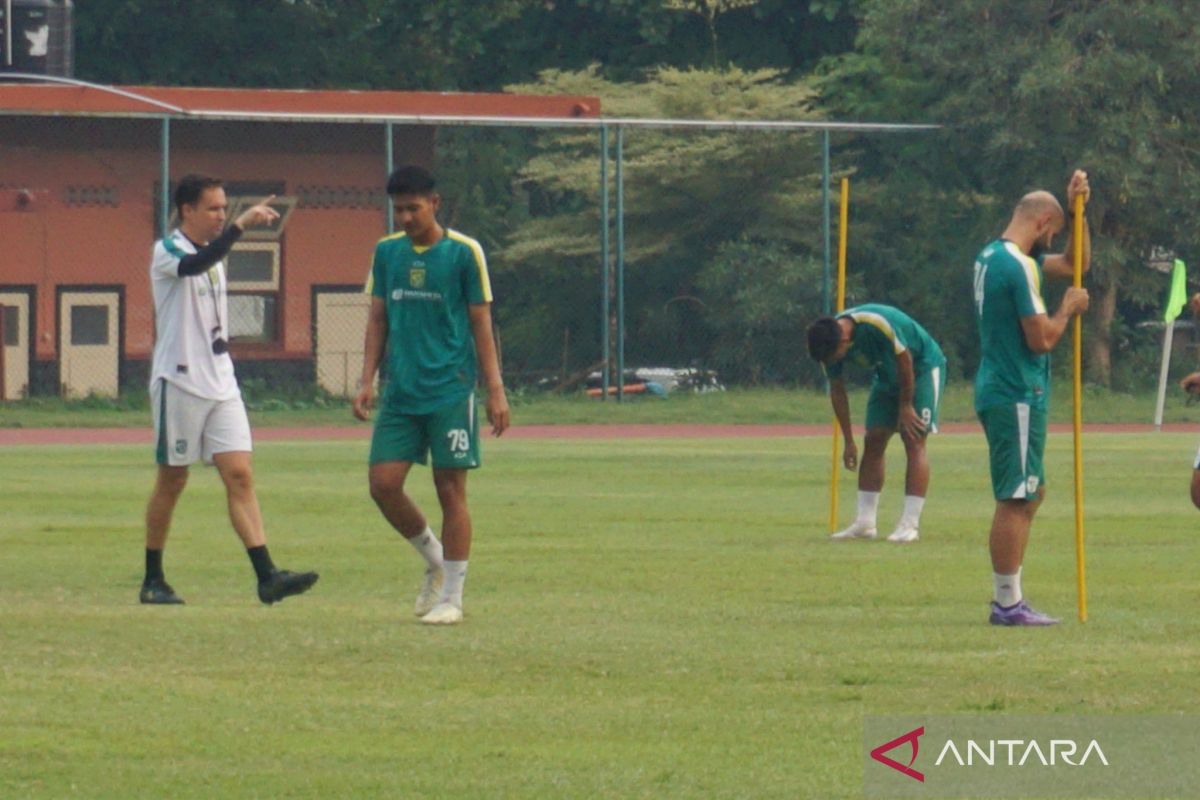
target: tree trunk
<point>1102,311</point>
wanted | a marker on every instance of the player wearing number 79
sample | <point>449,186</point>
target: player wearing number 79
<point>910,374</point>
<point>431,312</point>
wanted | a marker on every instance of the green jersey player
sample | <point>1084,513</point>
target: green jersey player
<point>1012,385</point>
<point>909,376</point>
<point>431,306</point>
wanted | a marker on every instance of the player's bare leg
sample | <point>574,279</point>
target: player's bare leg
<point>451,485</point>
<point>1011,524</point>
<point>870,484</point>
<point>168,486</point>
<point>1010,533</point>
<point>237,473</point>
<point>387,490</point>
<point>244,513</point>
<point>387,480</point>
<point>916,485</point>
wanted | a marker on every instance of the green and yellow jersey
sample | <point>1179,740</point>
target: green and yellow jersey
<point>1008,286</point>
<point>880,334</point>
<point>427,290</point>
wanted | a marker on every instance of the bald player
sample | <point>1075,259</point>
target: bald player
<point>1012,386</point>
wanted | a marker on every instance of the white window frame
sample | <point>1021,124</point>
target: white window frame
<point>272,285</point>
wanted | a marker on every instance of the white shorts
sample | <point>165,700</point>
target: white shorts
<point>1196,463</point>
<point>189,428</point>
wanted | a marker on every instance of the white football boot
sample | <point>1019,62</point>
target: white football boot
<point>857,530</point>
<point>444,613</point>
<point>431,587</point>
<point>904,534</point>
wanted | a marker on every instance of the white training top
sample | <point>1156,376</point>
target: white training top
<point>187,311</point>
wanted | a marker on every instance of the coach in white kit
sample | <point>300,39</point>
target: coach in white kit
<point>197,405</point>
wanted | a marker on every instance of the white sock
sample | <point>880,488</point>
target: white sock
<point>452,586</point>
<point>911,517</point>
<point>868,506</point>
<point>1007,591</point>
<point>428,546</point>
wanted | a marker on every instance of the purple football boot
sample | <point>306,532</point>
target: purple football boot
<point>1020,614</point>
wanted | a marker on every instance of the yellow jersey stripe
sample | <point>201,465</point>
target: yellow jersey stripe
<point>480,261</point>
<point>370,284</point>
<point>1032,279</point>
<point>871,318</point>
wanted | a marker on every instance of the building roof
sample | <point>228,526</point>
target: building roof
<point>53,96</point>
<point>81,99</point>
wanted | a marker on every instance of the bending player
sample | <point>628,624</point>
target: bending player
<point>910,373</point>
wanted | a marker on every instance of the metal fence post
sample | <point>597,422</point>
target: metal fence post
<point>825,276</point>
<point>164,206</point>
<point>389,159</point>
<point>605,267</point>
<point>620,263</point>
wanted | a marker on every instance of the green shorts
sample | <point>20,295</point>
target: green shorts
<point>450,433</point>
<point>883,404</point>
<point>1016,436</point>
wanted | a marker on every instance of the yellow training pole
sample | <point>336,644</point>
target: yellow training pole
<point>834,472</point>
<point>1080,570</point>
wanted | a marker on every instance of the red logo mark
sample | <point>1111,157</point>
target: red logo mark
<point>911,737</point>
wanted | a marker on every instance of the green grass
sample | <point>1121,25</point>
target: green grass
<point>748,406</point>
<point>646,619</point>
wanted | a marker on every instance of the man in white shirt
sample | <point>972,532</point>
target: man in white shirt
<point>197,405</point>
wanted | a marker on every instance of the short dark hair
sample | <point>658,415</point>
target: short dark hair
<point>410,179</point>
<point>824,336</point>
<point>191,187</point>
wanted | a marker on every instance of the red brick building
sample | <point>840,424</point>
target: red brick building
<point>81,204</point>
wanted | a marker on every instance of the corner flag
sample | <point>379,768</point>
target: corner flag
<point>1177,299</point>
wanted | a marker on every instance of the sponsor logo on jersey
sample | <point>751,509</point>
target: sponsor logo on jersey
<point>415,294</point>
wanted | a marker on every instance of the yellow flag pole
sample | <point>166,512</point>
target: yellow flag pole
<point>1080,569</point>
<point>843,221</point>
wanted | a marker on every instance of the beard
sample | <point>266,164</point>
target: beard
<point>1039,247</point>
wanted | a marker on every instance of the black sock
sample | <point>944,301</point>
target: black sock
<point>261,560</point>
<point>154,571</point>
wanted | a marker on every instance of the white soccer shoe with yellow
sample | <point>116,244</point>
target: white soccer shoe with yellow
<point>857,530</point>
<point>444,613</point>
<point>904,534</point>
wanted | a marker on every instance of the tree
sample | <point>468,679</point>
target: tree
<point>688,194</point>
<point>1028,91</point>
<point>709,10</point>
<point>762,295</point>
<point>448,45</point>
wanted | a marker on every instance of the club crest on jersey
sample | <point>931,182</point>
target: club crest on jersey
<point>416,277</point>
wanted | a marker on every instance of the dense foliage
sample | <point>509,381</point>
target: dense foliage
<point>723,231</point>
<point>1029,90</point>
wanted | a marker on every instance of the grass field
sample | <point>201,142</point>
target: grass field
<point>645,619</point>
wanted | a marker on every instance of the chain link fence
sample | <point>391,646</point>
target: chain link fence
<point>691,259</point>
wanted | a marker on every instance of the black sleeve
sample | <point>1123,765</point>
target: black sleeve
<point>196,263</point>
